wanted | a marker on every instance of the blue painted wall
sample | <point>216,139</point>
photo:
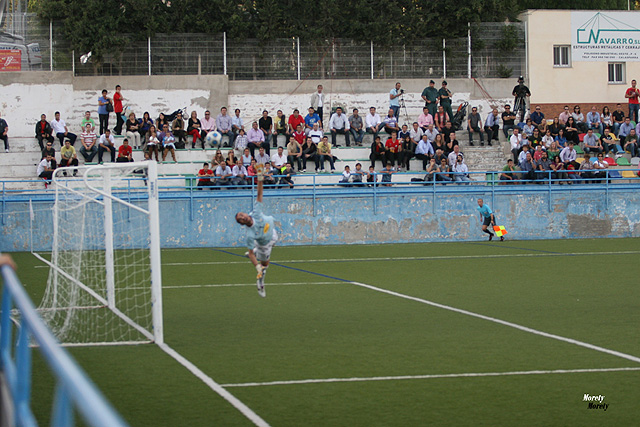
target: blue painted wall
<point>208,220</point>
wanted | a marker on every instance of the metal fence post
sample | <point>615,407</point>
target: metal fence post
<point>298,49</point>
<point>444,59</point>
<point>73,62</point>
<point>371,59</point>
<point>149,52</point>
<point>468,50</point>
<point>224,52</point>
<point>50,45</point>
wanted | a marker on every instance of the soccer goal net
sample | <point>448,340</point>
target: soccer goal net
<point>104,281</point>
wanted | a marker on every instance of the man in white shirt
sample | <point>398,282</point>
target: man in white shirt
<point>278,159</point>
<point>316,134</point>
<point>317,102</point>
<point>431,133</point>
<point>108,143</point>
<point>516,143</point>
<point>60,130</point>
<point>239,174</point>
<point>568,156</point>
<point>262,157</point>
<point>45,169</point>
<point>339,124</point>
<point>208,124</point>
<point>416,133</point>
<point>223,174</point>
<point>373,122</point>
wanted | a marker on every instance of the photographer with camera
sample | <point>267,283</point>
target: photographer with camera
<point>520,91</point>
<point>394,102</point>
<point>444,97</point>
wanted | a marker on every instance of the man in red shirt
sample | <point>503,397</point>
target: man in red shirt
<point>205,174</point>
<point>393,146</point>
<point>125,152</point>
<point>634,103</point>
<point>299,134</point>
<point>294,120</point>
<point>117,108</point>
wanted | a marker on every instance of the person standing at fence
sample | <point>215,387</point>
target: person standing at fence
<point>104,107</point>
<point>117,108</point>
<point>634,102</point>
<point>487,217</point>
<point>394,102</point>
<point>317,102</point>
<point>430,97</point>
<point>444,97</point>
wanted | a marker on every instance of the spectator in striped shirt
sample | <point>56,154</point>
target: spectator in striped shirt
<point>89,147</point>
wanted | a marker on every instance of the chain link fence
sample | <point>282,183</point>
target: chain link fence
<point>493,50</point>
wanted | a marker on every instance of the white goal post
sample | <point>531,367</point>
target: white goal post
<point>105,278</point>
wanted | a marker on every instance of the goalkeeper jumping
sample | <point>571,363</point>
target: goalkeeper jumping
<point>261,235</point>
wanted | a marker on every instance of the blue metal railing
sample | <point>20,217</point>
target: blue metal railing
<point>73,388</point>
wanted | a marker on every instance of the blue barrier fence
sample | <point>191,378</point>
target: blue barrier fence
<point>74,390</point>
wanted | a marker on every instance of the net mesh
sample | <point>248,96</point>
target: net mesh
<point>89,298</point>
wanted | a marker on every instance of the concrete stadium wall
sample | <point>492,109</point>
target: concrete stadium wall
<point>26,95</point>
<point>336,220</point>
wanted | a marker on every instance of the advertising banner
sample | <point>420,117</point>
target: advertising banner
<point>605,36</point>
<point>10,60</point>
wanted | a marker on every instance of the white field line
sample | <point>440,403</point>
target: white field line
<point>428,377</point>
<point>239,405</point>
<point>230,285</point>
<point>503,322</point>
<point>425,258</point>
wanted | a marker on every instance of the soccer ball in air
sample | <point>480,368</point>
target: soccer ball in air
<point>213,138</point>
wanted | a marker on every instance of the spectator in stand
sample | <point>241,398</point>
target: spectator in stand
<point>378,152</point>
<point>357,176</point>
<point>145,124</point>
<point>609,143</point>
<point>87,119</point>
<point>527,129</point>
<point>508,120</point>
<point>236,124</point>
<point>278,159</point>
<point>425,119</point>
<point>394,150</point>
<point>218,159</point>
<point>607,119</point>
<point>59,128</point>
<point>407,152</point>
<point>286,173</point>
<point>133,127</point>
<point>43,131</point>
<point>346,177</point>
<point>386,175</point>
<point>394,102</point>
<point>309,153</point>
<point>571,131</point>
<point>373,122</point>
<point>208,124</point>
<point>45,169</point>
<point>262,157</point>
<point>68,156</point>
<point>371,177</point>
<point>618,118</point>
<point>256,139</point>
<point>460,170</point>
<point>592,143</point>
<point>516,143</point>
<point>528,167</point>
<point>561,140</point>
<point>168,143</point>
<point>581,125</point>
<point>556,126</point>
<point>280,127</point>
<point>586,170</point>
<point>430,97</point>
<point>492,127</point>
<point>390,123</point>
<point>568,156</point>
<point>310,119</point>
<point>339,124</point>
<point>241,143</point>
<point>563,117</point>
<point>424,151</point>
<point>294,153</point>
<point>444,98</point>
<point>125,152</point>
<point>439,144</point>
<point>204,176</point>
<point>88,140</point>
<point>559,172</point>
<point>356,127</point>
<point>239,172</point>
<point>231,159</point>
<point>315,134</point>
<point>416,133</point>
<point>594,121</point>
<point>265,123</point>
<point>453,155</point>
<point>299,134</point>
<point>631,143</point>
<point>553,150</point>
<point>48,150</point>
<point>153,143</point>
<point>624,129</point>
<point>246,158</point>
<point>118,110</point>
<point>104,105</point>
<point>224,125</point>
<point>252,171</point>
<point>537,153</point>
<point>179,133</point>
<point>432,170</point>
<point>543,167</point>
<point>161,121</point>
<point>474,124</point>
<point>107,143</point>
<point>525,150</point>
<point>537,118</point>
<point>294,120</point>
<point>508,173</point>
<point>317,102</point>
<point>194,126</point>
<point>223,174</point>
<point>431,133</point>
<point>404,132</point>
<point>324,154</point>
<point>634,102</point>
<point>600,167</point>
<point>535,140</point>
<point>453,142</point>
<point>547,139</point>
<point>441,118</point>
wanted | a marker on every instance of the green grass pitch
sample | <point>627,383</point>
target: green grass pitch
<point>342,312</point>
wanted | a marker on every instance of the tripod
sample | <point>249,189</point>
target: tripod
<point>403,109</point>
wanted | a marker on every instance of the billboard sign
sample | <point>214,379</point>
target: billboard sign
<point>10,60</point>
<point>605,36</point>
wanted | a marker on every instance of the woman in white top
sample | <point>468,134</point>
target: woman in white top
<point>152,142</point>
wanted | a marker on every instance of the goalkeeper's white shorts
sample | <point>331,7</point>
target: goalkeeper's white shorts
<point>263,253</point>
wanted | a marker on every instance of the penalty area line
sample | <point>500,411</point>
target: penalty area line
<point>432,376</point>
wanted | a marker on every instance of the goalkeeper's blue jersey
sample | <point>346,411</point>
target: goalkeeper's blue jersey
<point>261,232</point>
